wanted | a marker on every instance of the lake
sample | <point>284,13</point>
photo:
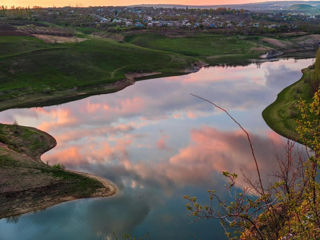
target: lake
<point>157,143</point>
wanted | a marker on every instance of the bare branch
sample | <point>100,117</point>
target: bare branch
<point>245,131</point>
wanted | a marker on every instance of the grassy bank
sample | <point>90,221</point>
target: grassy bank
<point>26,183</point>
<point>281,115</point>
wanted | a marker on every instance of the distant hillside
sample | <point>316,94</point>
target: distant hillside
<point>305,6</point>
<point>301,7</point>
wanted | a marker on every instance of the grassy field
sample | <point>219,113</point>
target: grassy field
<point>213,49</point>
<point>60,66</point>
<point>26,182</point>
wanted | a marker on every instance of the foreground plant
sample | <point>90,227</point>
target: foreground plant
<point>288,209</point>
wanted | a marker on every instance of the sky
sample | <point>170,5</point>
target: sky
<point>85,3</point>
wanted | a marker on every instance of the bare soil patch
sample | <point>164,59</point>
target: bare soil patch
<point>58,39</point>
<point>309,40</point>
<point>133,76</point>
<point>277,43</point>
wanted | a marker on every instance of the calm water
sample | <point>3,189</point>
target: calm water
<point>157,143</point>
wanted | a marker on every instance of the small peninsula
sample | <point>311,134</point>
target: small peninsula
<point>282,114</point>
<point>27,184</point>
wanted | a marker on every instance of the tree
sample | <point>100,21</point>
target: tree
<point>315,76</point>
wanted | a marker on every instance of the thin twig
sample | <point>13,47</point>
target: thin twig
<point>244,130</point>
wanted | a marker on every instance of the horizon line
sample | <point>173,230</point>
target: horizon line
<point>158,4</point>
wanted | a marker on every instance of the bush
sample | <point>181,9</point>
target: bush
<point>58,166</point>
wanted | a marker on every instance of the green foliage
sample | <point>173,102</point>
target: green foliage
<point>309,123</point>
<point>315,77</point>
<point>58,166</point>
<point>126,236</point>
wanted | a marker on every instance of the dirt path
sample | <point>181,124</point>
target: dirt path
<point>133,76</point>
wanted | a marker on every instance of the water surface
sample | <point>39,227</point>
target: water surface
<point>157,143</point>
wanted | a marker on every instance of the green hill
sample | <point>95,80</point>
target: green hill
<point>301,7</point>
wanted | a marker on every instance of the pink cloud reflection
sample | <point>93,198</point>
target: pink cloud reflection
<point>56,118</point>
<point>209,152</point>
<point>162,143</point>
<point>75,155</point>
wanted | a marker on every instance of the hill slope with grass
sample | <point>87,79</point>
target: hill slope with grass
<point>33,72</point>
<point>211,48</point>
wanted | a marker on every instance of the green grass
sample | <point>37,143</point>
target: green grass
<point>282,113</point>
<point>25,140</point>
<point>50,67</point>
<point>8,161</point>
<point>11,45</point>
<point>221,48</point>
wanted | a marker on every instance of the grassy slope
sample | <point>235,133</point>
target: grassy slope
<point>281,114</point>
<point>81,64</point>
<point>29,66</point>
<point>213,48</point>
<point>28,183</point>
